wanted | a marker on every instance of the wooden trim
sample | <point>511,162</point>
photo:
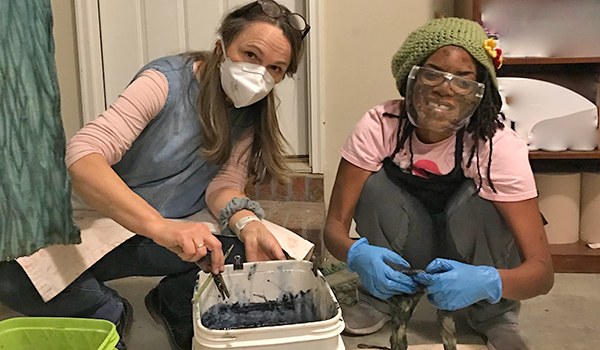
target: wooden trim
<point>575,257</point>
<point>184,34</point>
<point>89,48</point>
<point>550,60</point>
<point>477,11</point>
<point>91,73</point>
<point>315,72</point>
<point>595,154</point>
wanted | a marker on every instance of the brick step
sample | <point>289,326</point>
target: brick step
<point>301,188</point>
<point>304,218</point>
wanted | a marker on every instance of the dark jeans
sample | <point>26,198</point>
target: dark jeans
<point>88,297</point>
<point>470,230</point>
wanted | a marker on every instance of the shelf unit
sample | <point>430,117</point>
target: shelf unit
<point>550,60</point>
<point>575,257</point>
<point>582,75</point>
<point>595,154</point>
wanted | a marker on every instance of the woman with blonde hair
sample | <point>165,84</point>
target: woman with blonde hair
<point>186,134</point>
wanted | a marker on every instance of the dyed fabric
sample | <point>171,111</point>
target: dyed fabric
<point>402,307</point>
<point>35,207</point>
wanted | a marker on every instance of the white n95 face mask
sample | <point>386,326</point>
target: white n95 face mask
<point>245,83</point>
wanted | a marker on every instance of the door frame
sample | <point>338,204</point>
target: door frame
<point>91,74</point>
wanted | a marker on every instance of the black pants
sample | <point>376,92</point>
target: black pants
<point>89,297</point>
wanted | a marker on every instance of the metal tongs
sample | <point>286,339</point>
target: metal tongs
<point>220,283</point>
<point>218,278</point>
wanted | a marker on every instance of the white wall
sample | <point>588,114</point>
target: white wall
<point>66,65</point>
<point>359,39</point>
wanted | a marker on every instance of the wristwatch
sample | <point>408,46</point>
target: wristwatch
<point>242,223</point>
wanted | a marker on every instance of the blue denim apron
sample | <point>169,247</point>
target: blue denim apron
<point>164,165</point>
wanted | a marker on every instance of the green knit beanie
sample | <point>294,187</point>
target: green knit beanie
<point>425,40</point>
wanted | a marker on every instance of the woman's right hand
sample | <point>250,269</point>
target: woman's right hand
<point>189,240</point>
<point>375,274</point>
<point>100,187</point>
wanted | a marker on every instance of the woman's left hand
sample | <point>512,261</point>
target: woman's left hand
<point>260,243</point>
<point>452,285</point>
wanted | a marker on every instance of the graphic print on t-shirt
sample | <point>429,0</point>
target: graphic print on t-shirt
<point>425,168</point>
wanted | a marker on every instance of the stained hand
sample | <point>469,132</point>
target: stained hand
<point>260,243</point>
<point>189,240</point>
<point>376,275</point>
<point>452,285</point>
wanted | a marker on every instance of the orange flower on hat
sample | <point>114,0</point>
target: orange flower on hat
<point>496,54</point>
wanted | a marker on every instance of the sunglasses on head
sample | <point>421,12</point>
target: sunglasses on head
<point>275,11</point>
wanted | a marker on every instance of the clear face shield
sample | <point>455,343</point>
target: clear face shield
<point>440,101</point>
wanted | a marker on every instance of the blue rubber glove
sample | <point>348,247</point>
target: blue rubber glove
<point>452,285</point>
<point>377,276</point>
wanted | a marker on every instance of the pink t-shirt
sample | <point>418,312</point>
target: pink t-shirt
<point>375,137</point>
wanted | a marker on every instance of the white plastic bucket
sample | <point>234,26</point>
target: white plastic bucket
<point>261,281</point>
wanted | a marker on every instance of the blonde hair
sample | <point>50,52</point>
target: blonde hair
<point>267,152</point>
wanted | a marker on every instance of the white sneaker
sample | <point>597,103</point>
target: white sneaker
<point>363,319</point>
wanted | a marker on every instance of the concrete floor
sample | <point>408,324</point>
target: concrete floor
<point>567,318</point>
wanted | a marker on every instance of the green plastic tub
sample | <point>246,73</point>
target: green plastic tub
<point>54,333</point>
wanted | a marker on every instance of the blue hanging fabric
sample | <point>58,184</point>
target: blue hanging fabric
<point>35,189</point>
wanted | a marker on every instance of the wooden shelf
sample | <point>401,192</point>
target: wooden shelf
<point>575,257</point>
<point>580,74</point>
<point>550,60</point>
<point>595,154</point>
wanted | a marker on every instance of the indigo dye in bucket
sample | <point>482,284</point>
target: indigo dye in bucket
<point>289,309</point>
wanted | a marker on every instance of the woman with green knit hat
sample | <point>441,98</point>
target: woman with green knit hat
<point>435,181</point>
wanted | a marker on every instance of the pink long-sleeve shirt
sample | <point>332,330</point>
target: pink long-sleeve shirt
<point>115,130</point>
<point>53,268</point>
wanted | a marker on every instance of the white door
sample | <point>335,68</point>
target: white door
<point>134,32</point>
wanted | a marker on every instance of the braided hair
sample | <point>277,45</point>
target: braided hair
<point>486,119</point>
